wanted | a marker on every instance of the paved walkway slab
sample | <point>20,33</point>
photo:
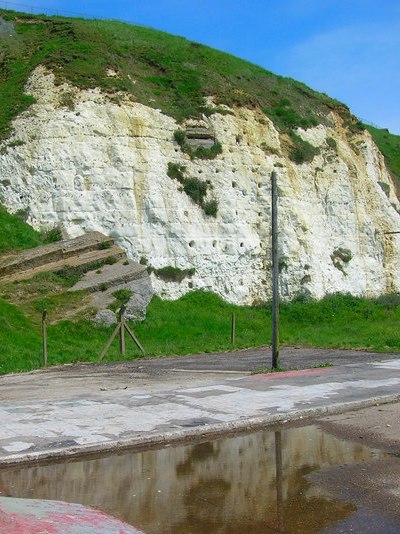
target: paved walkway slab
<point>65,411</point>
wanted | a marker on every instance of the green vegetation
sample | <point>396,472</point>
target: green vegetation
<point>210,207</point>
<point>389,145</point>
<point>301,151</point>
<point>72,275</point>
<point>121,297</point>
<point>16,234</point>
<point>175,75</point>
<point>157,69</point>
<point>176,171</point>
<point>269,370</point>
<point>172,274</point>
<point>200,322</point>
<point>104,245</point>
<point>200,152</point>
<point>286,118</point>
<point>330,141</point>
<point>45,291</point>
<point>194,188</point>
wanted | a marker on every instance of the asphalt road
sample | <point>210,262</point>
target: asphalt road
<point>249,360</point>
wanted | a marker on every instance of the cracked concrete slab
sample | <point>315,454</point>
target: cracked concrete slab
<point>72,414</point>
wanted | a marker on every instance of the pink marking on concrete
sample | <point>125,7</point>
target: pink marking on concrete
<point>34,516</point>
<point>293,374</point>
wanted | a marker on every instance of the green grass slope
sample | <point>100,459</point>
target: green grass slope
<point>157,69</point>
<point>389,145</point>
<point>15,233</point>
<point>200,322</point>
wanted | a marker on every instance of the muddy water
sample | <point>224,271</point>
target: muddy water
<point>249,483</point>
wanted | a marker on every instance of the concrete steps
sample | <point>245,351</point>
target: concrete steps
<point>102,267</point>
<point>53,253</point>
<point>115,275</point>
<point>80,261</point>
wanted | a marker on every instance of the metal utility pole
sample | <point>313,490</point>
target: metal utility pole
<point>275,274</point>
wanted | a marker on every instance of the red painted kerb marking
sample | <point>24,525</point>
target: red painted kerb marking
<point>293,374</point>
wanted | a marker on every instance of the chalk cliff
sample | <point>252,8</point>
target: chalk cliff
<point>88,161</point>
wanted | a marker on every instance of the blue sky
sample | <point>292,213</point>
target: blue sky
<point>349,49</point>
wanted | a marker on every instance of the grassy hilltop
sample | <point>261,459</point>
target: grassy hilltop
<point>173,74</point>
<point>159,70</point>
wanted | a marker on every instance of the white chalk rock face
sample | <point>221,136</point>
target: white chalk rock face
<point>87,161</point>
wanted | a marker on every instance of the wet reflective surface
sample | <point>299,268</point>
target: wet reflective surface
<point>262,482</point>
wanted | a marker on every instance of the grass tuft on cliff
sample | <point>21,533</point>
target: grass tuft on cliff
<point>157,69</point>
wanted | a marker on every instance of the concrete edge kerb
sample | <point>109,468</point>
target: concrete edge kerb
<point>140,442</point>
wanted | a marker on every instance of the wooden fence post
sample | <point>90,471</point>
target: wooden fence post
<point>122,330</point>
<point>275,273</point>
<point>121,327</point>
<point>44,334</point>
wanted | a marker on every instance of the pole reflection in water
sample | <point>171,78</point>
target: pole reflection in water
<point>227,485</point>
<point>279,480</point>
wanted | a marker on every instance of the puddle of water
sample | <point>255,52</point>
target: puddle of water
<point>248,483</point>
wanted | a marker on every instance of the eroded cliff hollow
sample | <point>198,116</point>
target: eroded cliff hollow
<point>88,161</point>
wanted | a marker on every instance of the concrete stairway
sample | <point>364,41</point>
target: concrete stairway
<point>104,268</point>
<point>83,249</point>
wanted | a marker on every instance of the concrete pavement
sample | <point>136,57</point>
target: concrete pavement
<point>75,410</point>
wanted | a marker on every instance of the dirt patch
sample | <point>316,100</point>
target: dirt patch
<point>377,426</point>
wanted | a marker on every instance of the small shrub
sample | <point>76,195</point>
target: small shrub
<point>104,245</point>
<point>22,214</point>
<point>176,171</point>
<point>341,256</point>
<point>51,236</point>
<point>196,189</point>
<point>330,141</point>
<point>211,208</point>
<point>173,274</point>
<point>67,100</point>
<point>17,142</point>
<point>385,188</point>
<point>269,149</point>
<point>180,137</point>
<point>207,153</point>
<point>123,295</point>
<point>301,151</point>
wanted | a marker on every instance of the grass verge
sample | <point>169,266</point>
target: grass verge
<point>200,322</point>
